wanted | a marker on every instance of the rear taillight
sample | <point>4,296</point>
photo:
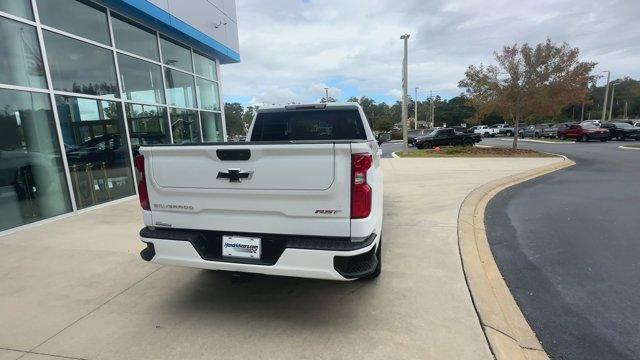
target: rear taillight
<point>143,195</point>
<point>360,190</point>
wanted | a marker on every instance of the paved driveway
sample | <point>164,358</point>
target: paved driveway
<point>568,246</point>
<point>77,288</point>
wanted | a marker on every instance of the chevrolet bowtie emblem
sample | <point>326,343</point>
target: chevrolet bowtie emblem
<point>234,175</point>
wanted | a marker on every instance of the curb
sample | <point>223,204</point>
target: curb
<point>627,148</point>
<point>542,141</point>
<point>507,331</point>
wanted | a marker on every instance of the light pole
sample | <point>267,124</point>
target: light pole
<point>606,96</point>
<point>415,111</point>
<point>405,80</point>
<point>613,94</point>
<point>326,94</point>
<point>433,111</point>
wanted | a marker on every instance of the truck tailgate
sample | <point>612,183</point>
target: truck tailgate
<point>251,188</point>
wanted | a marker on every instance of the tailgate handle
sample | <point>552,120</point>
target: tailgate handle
<point>234,154</point>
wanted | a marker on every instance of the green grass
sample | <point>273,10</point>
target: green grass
<point>472,151</point>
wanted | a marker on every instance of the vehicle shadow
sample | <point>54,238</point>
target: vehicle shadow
<point>300,303</point>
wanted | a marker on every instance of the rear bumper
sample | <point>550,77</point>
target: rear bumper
<point>284,255</point>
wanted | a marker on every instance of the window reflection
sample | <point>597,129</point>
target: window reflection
<point>141,80</point>
<point>176,55</point>
<point>134,38</point>
<point>205,67</point>
<point>181,90</point>
<point>147,125</point>
<point>20,57</point>
<point>82,18</point>
<point>79,67</point>
<point>21,8</point>
<point>96,147</point>
<point>32,183</point>
<point>211,126</point>
<point>185,126</point>
<point>208,95</point>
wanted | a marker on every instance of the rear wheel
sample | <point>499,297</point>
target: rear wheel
<point>467,142</point>
<point>563,137</point>
<point>509,133</point>
<point>485,134</point>
<point>621,137</point>
<point>584,138</point>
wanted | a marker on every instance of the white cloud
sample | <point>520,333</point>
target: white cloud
<point>291,48</point>
<point>395,93</point>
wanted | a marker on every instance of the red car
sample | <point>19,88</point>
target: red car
<point>583,133</point>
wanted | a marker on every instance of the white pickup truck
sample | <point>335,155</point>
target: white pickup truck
<point>301,197</point>
<point>486,131</point>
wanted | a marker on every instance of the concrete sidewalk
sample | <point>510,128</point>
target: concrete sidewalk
<point>77,288</point>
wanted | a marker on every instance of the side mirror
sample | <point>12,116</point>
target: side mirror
<point>383,138</point>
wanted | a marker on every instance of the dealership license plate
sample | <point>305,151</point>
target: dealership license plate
<point>241,247</point>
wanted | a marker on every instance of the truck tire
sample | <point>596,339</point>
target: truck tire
<point>486,134</point>
<point>509,133</point>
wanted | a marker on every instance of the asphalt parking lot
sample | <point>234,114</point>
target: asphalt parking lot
<point>567,246</point>
<point>76,288</point>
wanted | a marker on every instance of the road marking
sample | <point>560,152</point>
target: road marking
<point>628,147</point>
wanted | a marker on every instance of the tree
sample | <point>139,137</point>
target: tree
<point>328,100</point>
<point>538,81</point>
<point>249,113</point>
<point>233,116</point>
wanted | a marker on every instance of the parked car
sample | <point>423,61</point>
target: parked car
<point>411,135</point>
<point>621,131</point>
<point>509,130</point>
<point>591,122</point>
<point>533,131</point>
<point>246,207</point>
<point>503,129</point>
<point>583,133</point>
<point>485,131</point>
<point>446,137</point>
<point>551,131</point>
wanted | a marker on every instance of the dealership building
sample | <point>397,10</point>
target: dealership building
<point>84,84</point>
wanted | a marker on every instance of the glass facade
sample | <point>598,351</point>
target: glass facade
<point>20,60</point>
<point>135,39</point>
<point>181,90</point>
<point>141,80</point>
<point>78,99</point>
<point>148,125</point>
<point>81,18</point>
<point>211,127</point>
<point>21,8</point>
<point>97,149</point>
<point>80,67</point>
<point>185,126</point>
<point>32,181</point>
<point>176,55</point>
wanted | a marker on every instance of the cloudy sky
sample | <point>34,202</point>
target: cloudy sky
<point>292,49</point>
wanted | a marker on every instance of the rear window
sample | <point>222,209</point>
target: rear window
<point>308,125</point>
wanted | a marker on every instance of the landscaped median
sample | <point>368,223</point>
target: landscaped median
<point>471,151</point>
<point>544,141</point>
<point>508,332</point>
